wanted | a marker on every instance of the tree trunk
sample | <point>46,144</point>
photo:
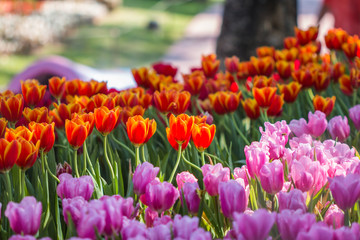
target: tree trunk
<point>248,24</point>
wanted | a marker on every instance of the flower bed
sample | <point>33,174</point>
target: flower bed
<point>170,160</point>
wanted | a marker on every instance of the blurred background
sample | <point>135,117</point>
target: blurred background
<point>104,39</point>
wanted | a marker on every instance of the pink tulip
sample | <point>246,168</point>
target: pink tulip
<point>354,114</point>
<point>233,198</point>
<point>134,230</point>
<point>143,175</point>
<point>184,226</point>
<point>292,200</point>
<point>185,177</point>
<point>150,216</point>
<point>29,237</point>
<point>159,232</point>
<point>339,128</point>
<point>24,217</point>
<point>92,217</point>
<point>213,175</point>
<point>276,135</point>
<point>200,234</point>
<point>334,217</point>
<point>73,207</point>
<point>299,127</point>
<point>70,187</point>
<point>317,123</point>
<point>345,190</point>
<point>161,196</point>
<point>272,177</point>
<point>347,233</point>
<point>257,226</point>
<point>290,223</point>
<point>257,154</point>
<point>164,220</point>
<point>191,196</point>
<point>318,231</point>
<point>242,173</point>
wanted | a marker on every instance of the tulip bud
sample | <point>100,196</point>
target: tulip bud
<point>354,114</point>
<point>213,175</point>
<point>161,196</point>
<point>232,198</point>
<point>272,177</point>
<point>143,175</point>
<point>60,169</point>
<point>317,123</point>
<point>334,217</point>
<point>73,207</point>
<point>292,200</point>
<point>191,196</point>
<point>339,128</point>
<point>345,190</point>
<point>70,187</point>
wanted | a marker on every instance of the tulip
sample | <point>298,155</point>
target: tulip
<point>261,66</point>
<point>38,115</point>
<point>62,112</point>
<point>257,226</point>
<point>233,198</point>
<point>290,223</point>
<point>306,36</point>
<point>184,226</point>
<point>210,65</point>
<point>291,42</point>
<point>224,102</point>
<point>161,196</point>
<point>12,107</point>
<point>141,76</point>
<point>60,169</point>
<point>57,87</point>
<point>192,199</point>
<point>264,96</point>
<point>318,231</point>
<point>213,175</point>
<point>354,114</point>
<point>19,132</point>
<point>9,154</point>
<point>265,51</point>
<point>28,237</point>
<point>173,142</point>
<point>304,77</point>
<point>127,99</point>
<point>73,207</point>
<point>24,217</point>
<point>350,49</point>
<point>346,85</point>
<point>70,187</point>
<point>127,112</point>
<point>338,70</point>
<point>72,87</point>
<point>28,153</point>
<point>180,127</point>
<point>339,128</point>
<point>256,155</point>
<point>150,216</point>
<point>92,219</point>
<point>32,91</point>
<point>242,173</point>
<point>143,175</point>
<point>251,108</point>
<point>334,217</point>
<point>232,64</point>
<point>202,135</point>
<point>335,38</point>
<point>293,200</point>
<point>100,100</point>
<point>321,80</point>
<point>140,130</point>
<point>158,82</point>
<point>284,68</point>
<point>287,55</point>
<point>347,233</point>
<point>3,127</point>
<point>184,177</point>
<point>164,69</point>
<point>317,123</point>
<point>345,190</point>
<point>299,127</point>
<point>76,132</point>
<point>105,119</point>
<point>134,230</point>
<point>275,107</point>
<point>262,81</point>
<point>44,133</point>
<point>159,232</point>
<point>172,101</point>
<point>272,177</point>
<point>290,91</point>
<point>194,82</point>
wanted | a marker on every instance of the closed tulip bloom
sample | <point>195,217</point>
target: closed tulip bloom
<point>275,108</point>
<point>290,223</point>
<point>28,153</point>
<point>324,105</point>
<point>184,177</point>
<point>232,64</point>
<point>86,117</point>
<point>202,135</point>
<point>134,230</point>
<point>317,123</point>
<point>24,217</point>
<point>184,226</point>
<point>251,108</point>
<point>293,200</point>
<point>354,114</point>
<point>181,127</point>
<point>257,154</point>
<point>73,207</point>
<point>334,217</point>
<point>306,36</point>
<point>12,107</point>
<point>19,132</point>
<point>44,133</point>
<point>64,111</point>
<point>299,127</point>
<point>318,231</point>
<point>159,232</point>
<point>173,142</point>
<point>194,82</point>
<point>213,175</point>
<point>92,220</point>
<point>339,128</point>
<point>345,190</point>
<point>105,119</point>
<point>257,226</point>
<point>191,196</point>
<point>143,175</point>
<point>38,115</point>
<point>272,177</point>
<point>224,102</point>
<point>57,87</point>
<point>161,196</point>
<point>140,130</point>
<point>232,198</point>
<point>76,132</point>
<point>3,125</point>
<point>264,96</point>
<point>32,91</point>
<point>9,154</point>
<point>290,91</point>
<point>70,187</point>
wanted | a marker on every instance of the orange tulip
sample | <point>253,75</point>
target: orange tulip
<point>200,119</point>
<point>127,112</point>
<point>155,80</point>
<point>210,65</point>
<point>141,76</point>
<point>224,102</point>
<point>9,154</point>
<point>194,82</point>
<point>288,55</point>
<point>63,111</point>
<point>44,133</point>
<point>284,69</point>
<point>7,93</point>
<point>3,124</point>
<point>232,64</point>
<point>262,81</point>
<point>28,153</point>
<point>38,115</point>
<point>264,96</point>
<point>98,87</point>
<point>307,58</point>
<point>180,127</point>
<point>57,87</point>
<point>99,100</point>
<point>105,119</point>
<point>72,87</point>
<point>265,51</point>
<point>338,70</point>
<point>86,117</point>
<point>12,107</point>
<point>86,88</point>
<point>306,36</point>
<point>261,66</point>
<point>290,42</point>
<point>172,101</point>
<point>19,132</point>
<point>345,85</point>
<point>171,86</point>
<point>312,47</point>
<point>350,49</point>
<point>251,108</point>
<point>304,77</point>
<point>127,99</point>
<point>140,130</point>
<point>243,71</point>
<point>324,105</point>
<point>275,108</point>
<point>355,77</point>
<point>76,132</point>
<point>173,143</point>
<point>202,135</point>
<point>290,91</point>
<point>335,38</point>
<point>322,80</point>
<point>32,91</point>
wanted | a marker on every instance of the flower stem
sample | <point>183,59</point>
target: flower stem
<point>124,146</point>
<point>51,174</point>
<point>137,156</point>
<point>347,218</point>
<point>143,153</point>
<point>176,165</point>
<point>107,159</point>
<point>8,186</point>
<point>76,165</point>
<point>84,157</point>
<point>203,158</point>
<point>22,175</point>
<point>239,131</point>
<point>190,163</point>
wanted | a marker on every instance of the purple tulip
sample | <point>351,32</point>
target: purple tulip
<point>293,200</point>
<point>345,190</point>
<point>161,196</point>
<point>143,175</point>
<point>242,173</point>
<point>257,154</point>
<point>272,177</point>
<point>191,196</point>
<point>354,114</point>
<point>317,123</point>
<point>334,217</point>
<point>70,187</point>
<point>164,220</point>
<point>213,175</point>
<point>73,206</point>
<point>134,230</point>
<point>299,127</point>
<point>339,128</point>
<point>24,217</point>
<point>185,177</point>
<point>159,232</point>
<point>28,237</point>
<point>200,234</point>
<point>347,233</point>
<point>150,217</point>
<point>184,226</point>
<point>92,217</point>
<point>257,226</point>
<point>233,198</point>
<point>318,231</point>
<point>290,223</point>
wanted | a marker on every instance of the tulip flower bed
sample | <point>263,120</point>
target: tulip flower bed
<point>170,160</point>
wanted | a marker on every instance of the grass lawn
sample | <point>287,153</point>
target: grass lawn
<point>118,40</point>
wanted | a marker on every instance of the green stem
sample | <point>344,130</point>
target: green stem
<point>137,156</point>
<point>76,165</point>
<point>347,218</point>
<point>22,174</point>
<point>42,162</point>
<point>21,189</point>
<point>143,153</point>
<point>51,174</point>
<point>84,157</point>
<point>124,146</point>
<point>203,158</point>
<point>176,165</point>
<point>190,163</point>
<point>239,131</point>
<point>8,186</point>
<point>107,159</point>
<point>354,97</point>
<point>213,156</point>
<point>198,106</point>
<point>89,162</point>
